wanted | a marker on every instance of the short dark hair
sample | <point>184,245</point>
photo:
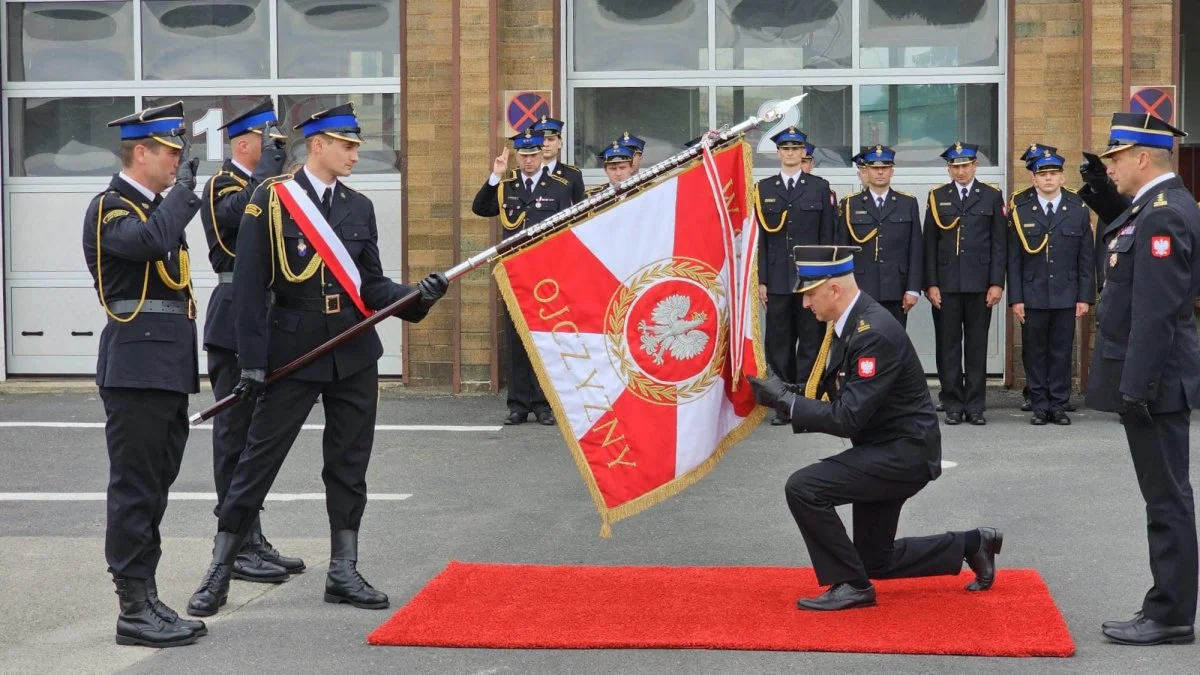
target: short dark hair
<point>128,146</point>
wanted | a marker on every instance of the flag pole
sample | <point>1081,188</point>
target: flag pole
<point>522,238</point>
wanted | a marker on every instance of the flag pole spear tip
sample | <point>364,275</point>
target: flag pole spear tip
<point>782,107</point>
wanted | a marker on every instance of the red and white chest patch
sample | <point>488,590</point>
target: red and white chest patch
<point>866,366</point>
<point>1160,247</point>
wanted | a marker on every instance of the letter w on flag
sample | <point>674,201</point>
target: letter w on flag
<point>640,323</point>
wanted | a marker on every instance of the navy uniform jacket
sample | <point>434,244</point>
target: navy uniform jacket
<point>1108,205</point>
<point>551,194</point>
<point>1146,344</point>
<point>969,256</point>
<point>877,398</point>
<point>805,218</point>
<point>1050,260</point>
<point>153,350</point>
<point>222,204</point>
<point>291,332</point>
<point>574,176</point>
<point>889,263</point>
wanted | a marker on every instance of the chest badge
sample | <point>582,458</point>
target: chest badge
<point>301,248</point>
<point>1112,261</point>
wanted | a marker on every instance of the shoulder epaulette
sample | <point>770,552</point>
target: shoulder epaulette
<point>902,193</point>
<point>278,179</point>
<point>569,167</point>
<point>1072,196</point>
<point>560,179</point>
<point>512,175</point>
<point>1071,190</point>
<point>594,190</point>
<point>852,196</point>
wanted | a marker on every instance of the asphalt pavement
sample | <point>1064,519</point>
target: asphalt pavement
<point>1065,497</point>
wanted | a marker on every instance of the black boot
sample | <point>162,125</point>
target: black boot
<point>169,614</point>
<point>344,583</point>
<point>214,588</point>
<point>251,565</point>
<point>267,552</point>
<point>140,625</point>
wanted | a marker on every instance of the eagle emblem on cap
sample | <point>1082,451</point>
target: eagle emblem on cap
<point>1033,148</point>
<point>958,147</point>
<point>626,138</point>
<point>791,130</point>
<point>616,145</point>
<point>528,133</point>
<point>1046,154</point>
<point>879,149</point>
<point>543,118</point>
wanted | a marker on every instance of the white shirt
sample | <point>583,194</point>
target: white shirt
<point>244,169</point>
<point>494,179</point>
<point>875,196</point>
<point>841,322</point>
<point>146,192</point>
<point>317,184</point>
<point>796,176</point>
<point>1052,204</point>
<point>551,165</point>
<point>1148,186</point>
<point>960,187</point>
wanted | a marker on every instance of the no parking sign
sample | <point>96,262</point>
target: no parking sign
<point>524,107</point>
<point>1158,101</point>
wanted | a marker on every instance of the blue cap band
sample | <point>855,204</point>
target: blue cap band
<point>242,126</point>
<point>147,129</point>
<point>1136,137</point>
<point>1053,161</point>
<point>343,122</point>
<point>808,271</point>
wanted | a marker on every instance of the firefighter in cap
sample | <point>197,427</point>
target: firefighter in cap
<point>135,249</point>
<point>636,145</point>
<point>618,165</point>
<point>552,142</point>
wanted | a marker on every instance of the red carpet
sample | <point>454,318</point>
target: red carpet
<point>752,608</point>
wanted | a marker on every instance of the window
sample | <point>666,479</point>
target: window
<point>919,121</point>
<point>205,40</point>
<point>65,136</point>
<point>664,117</point>
<point>57,41</point>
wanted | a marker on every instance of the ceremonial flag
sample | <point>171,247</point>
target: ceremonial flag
<point>639,323</point>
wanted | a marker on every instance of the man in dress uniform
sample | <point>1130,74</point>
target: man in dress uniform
<point>523,196</point>
<point>637,145</point>
<point>308,246</point>
<point>552,143</point>
<point>1146,364</point>
<point>806,164</point>
<point>1050,262</point>
<point>794,208</point>
<point>618,165</point>
<point>134,246</point>
<point>965,235</point>
<point>886,226</point>
<point>258,153</point>
<point>873,393</point>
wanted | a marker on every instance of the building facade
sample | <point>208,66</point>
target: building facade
<point>434,80</point>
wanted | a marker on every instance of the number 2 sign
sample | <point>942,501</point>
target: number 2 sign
<point>791,118</point>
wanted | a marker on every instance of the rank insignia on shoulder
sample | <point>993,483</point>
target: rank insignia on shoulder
<point>863,326</point>
<point>253,210</point>
<point>866,366</point>
<point>1160,200</point>
<point>114,214</point>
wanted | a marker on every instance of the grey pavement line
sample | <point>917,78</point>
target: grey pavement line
<point>306,427</point>
<point>185,496</point>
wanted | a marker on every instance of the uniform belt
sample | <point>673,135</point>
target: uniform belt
<point>183,307</point>
<point>224,277</point>
<point>327,304</point>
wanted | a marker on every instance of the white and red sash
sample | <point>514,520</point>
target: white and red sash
<point>329,246</point>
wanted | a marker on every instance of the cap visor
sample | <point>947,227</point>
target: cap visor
<point>169,141</point>
<point>962,160</point>
<point>806,286</point>
<point>529,151</point>
<point>1115,149</point>
<point>348,136</point>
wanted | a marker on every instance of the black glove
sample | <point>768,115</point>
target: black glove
<point>432,288</point>
<point>185,175</point>
<point>271,138</point>
<point>774,393</point>
<point>251,385</point>
<point>1134,409</point>
<point>274,154</point>
<point>1093,172</point>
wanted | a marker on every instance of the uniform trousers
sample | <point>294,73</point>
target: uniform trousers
<point>146,430</point>
<point>1047,339</point>
<point>896,307</point>
<point>965,318</point>
<point>793,337</point>
<point>350,405</point>
<point>1160,459</point>
<point>875,553</point>
<point>524,393</point>
<point>230,425</point>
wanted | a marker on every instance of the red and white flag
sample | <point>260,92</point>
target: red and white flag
<point>636,321</point>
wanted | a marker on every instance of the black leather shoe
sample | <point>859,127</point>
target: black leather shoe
<point>983,561</point>
<point>1038,419</point>
<point>249,565</point>
<point>545,418</point>
<point>1060,418</point>
<point>1070,407</point>
<point>344,583</point>
<point>1123,624</point>
<point>214,587</point>
<point>940,407</point>
<point>160,608</point>
<point>839,596</point>
<point>1143,632</point>
<point>953,418</point>
<point>138,623</point>
<point>779,420</point>
<point>976,418</point>
<point>256,540</point>
<point>515,418</point>
<point>1026,405</point>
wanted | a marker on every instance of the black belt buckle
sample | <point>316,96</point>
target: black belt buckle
<point>333,303</point>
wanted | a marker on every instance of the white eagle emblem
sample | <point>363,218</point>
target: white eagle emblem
<point>671,332</point>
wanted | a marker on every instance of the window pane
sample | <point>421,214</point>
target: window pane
<point>56,41</point>
<point>198,109</point>
<point>378,115</point>
<point>332,38</point>
<point>641,34</point>
<point>204,40</point>
<point>664,117</point>
<point>824,115</point>
<point>66,136</point>
<point>921,120</point>
<point>930,33</point>
<point>769,34</point>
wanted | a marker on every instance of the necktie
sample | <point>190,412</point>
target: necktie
<point>1049,208</point>
<point>529,185</point>
<point>327,201</point>
<point>791,184</point>
<point>964,194</point>
<point>879,203</point>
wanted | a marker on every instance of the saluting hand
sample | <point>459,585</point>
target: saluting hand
<point>185,174</point>
<point>500,165</point>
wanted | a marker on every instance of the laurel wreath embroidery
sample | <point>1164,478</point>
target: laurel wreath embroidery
<point>618,310</point>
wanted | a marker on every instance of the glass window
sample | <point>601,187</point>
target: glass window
<point>56,41</point>
<point>336,38</point>
<point>921,120</point>
<point>824,115</point>
<point>204,115</point>
<point>641,34</point>
<point>203,40</point>
<point>664,117</point>
<point>65,136</point>
<point>930,33</point>
<point>378,115</point>
<point>768,34</point>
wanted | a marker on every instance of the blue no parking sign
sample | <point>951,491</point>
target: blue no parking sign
<point>1158,101</point>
